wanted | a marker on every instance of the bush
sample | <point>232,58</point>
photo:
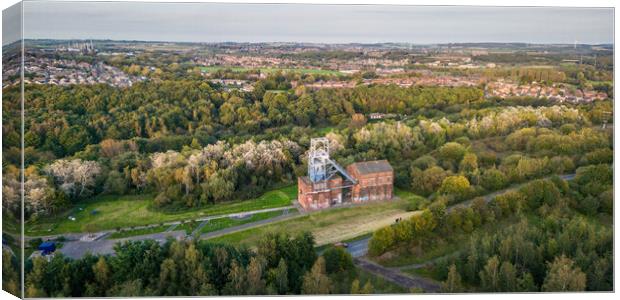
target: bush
<point>381,241</point>
<point>539,192</point>
<point>493,179</point>
<point>456,186</point>
<point>338,260</point>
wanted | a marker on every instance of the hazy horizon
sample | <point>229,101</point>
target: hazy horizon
<point>313,23</point>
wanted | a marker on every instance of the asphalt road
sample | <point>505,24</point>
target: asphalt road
<point>358,248</point>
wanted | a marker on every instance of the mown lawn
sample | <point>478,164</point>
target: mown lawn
<point>112,212</point>
<point>221,223</point>
<point>331,225</point>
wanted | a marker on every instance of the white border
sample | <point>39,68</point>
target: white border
<point>576,3</point>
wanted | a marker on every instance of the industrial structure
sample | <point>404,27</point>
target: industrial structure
<point>329,184</point>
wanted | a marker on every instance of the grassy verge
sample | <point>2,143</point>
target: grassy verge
<point>136,232</point>
<point>136,210</point>
<point>222,223</point>
<point>380,285</point>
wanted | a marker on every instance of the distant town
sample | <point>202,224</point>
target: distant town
<point>239,66</point>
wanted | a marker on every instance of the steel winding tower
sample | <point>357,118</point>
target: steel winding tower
<point>320,166</point>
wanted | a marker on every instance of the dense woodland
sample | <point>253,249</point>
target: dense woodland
<point>547,237</point>
<point>280,265</point>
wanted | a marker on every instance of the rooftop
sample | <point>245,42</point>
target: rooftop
<point>375,166</point>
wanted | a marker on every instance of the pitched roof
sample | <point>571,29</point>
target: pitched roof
<point>375,166</point>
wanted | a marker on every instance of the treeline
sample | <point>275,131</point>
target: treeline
<point>280,265</point>
<point>523,257</point>
<point>61,121</point>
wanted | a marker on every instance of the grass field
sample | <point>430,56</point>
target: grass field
<point>135,232</point>
<point>332,225</point>
<point>136,210</point>
<point>217,224</point>
<point>211,69</point>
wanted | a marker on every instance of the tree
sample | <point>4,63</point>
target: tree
<point>539,192</point>
<point>493,179</point>
<point>508,277</point>
<point>381,241</point>
<point>168,278</point>
<point>337,260</point>
<point>457,186</point>
<point>115,183</point>
<point>102,275</point>
<point>10,278</point>
<point>469,163</point>
<point>256,283</point>
<point>316,280</point>
<point>278,277</point>
<point>452,152</point>
<point>195,276</point>
<point>367,289</point>
<point>489,276</point>
<point>237,280</point>
<point>563,276</point>
<point>74,177</point>
<point>453,282</point>
<point>355,287</point>
<point>357,121</point>
<point>426,182</point>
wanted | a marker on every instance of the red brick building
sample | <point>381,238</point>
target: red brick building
<point>374,182</point>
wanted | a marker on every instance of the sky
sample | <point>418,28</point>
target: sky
<point>219,22</point>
